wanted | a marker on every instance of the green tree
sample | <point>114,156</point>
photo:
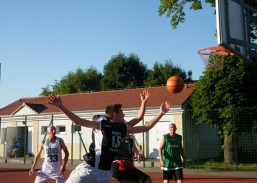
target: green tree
<point>161,72</point>
<point>123,72</point>
<point>76,82</point>
<point>219,92</point>
<point>174,9</point>
<point>46,91</point>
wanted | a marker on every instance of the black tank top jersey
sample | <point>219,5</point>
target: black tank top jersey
<point>113,133</point>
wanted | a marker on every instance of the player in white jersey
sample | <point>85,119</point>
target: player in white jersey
<point>53,166</point>
<point>113,129</point>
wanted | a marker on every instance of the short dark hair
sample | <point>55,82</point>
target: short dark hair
<point>110,109</point>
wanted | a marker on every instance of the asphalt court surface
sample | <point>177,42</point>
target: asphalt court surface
<point>16,173</point>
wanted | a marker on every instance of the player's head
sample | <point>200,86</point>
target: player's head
<point>51,131</point>
<point>115,112</point>
<point>172,127</point>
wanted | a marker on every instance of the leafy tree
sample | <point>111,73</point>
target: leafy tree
<point>77,82</point>
<point>160,73</point>
<point>46,91</point>
<point>174,9</point>
<point>219,92</point>
<point>123,72</point>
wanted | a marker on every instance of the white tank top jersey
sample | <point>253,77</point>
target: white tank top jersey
<point>53,155</point>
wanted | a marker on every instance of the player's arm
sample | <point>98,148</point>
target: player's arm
<point>160,151</point>
<point>150,124</point>
<point>143,96</point>
<point>37,158</point>
<point>57,102</point>
<point>66,155</point>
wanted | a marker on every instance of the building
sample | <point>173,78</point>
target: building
<point>28,118</point>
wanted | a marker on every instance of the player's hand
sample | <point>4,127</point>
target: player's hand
<point>139,158</point>
<point>63,169</point>
<point>184,164</point>
<point>144,96</point>
<point>164,107</point>
<point>161,163</point>
<point>31,172</point>
<point>54,100</point>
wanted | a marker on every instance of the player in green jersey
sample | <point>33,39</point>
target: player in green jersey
<point>170,152</point>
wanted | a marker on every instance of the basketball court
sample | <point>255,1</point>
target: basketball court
<point>17,175</point>
<point>234,22</point>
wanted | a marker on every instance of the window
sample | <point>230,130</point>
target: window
<point>75,128</point>
<point>43,129</point>
<point>61,130</point>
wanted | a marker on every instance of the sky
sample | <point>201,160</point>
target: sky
<point>41,41</point>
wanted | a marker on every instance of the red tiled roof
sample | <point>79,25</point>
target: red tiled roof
<point>129,98</point>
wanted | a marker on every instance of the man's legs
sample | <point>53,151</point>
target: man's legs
<point>126,172</point>
<point>14,152</point>
<point>168,175</point>
<point>41,177</point>
<point>179,175</point>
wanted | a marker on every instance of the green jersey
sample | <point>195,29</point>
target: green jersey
<point>126,149</point>
<point>171,153</point>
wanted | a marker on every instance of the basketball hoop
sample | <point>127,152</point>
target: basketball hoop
<point>213,56</point>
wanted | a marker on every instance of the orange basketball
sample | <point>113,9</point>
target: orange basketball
<point>175,84</point>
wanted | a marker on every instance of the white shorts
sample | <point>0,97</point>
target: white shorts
<point>86,173</point>
<point>45,176</point>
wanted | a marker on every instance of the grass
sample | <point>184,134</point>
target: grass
<point>223,166</point>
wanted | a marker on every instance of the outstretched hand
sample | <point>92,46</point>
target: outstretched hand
<point>165,107</point>
<point>144,96</point>
<point>54,100</point>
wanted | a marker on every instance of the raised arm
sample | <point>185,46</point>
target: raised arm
<point>150,124</point>
<point>57,102</point>
<point>143,96</point>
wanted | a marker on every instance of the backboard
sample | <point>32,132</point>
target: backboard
<point>235,23</point>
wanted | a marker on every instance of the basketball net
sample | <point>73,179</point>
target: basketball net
<point>213,57</point>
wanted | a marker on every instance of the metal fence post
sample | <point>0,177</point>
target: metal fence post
<point>234,137</point>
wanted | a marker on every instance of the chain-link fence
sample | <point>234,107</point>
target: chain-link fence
<point>204,147</point>
<point>209,148</point>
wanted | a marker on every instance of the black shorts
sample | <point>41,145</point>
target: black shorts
<point>128,175</point>
<point>176,174</point>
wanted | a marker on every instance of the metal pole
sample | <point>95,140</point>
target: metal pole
<point>25,141</point>
<point>143,148</point>
<point>72,126</point>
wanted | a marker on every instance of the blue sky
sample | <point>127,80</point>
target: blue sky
<point>42,40</point>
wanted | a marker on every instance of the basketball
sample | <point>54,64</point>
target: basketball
<point>175,84</point>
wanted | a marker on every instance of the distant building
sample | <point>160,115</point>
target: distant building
<point>28,118</point>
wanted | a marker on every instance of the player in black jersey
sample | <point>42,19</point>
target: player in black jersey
<point>113,130</point>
